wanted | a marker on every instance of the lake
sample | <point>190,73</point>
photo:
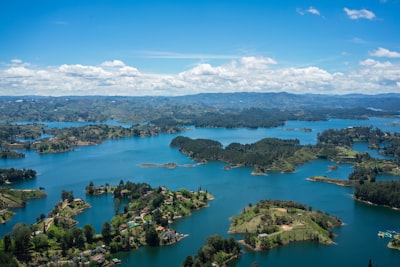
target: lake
<point>356,242</point>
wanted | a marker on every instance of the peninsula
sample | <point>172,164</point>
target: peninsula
<point>145,221</point>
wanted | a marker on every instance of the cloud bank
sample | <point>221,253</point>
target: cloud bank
<point>255,74</point>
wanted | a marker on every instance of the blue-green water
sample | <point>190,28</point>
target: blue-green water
<point>114,160</point>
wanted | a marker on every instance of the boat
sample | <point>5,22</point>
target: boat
<point>116,261</point>
<point>383,234</point>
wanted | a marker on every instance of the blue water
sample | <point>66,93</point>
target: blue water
<point>114,160</point>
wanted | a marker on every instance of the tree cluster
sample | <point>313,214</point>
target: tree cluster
<point>266,154</point>
<point>216,252</point>
<point>385,193</point>
<point>12,175</point>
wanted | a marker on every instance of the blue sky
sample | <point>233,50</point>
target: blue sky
<point>116,47</point>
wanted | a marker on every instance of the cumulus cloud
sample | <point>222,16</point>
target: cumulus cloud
<point>255,74</point>
<point>383,52</point>
<point>114,63</point>
<point>359,14</point>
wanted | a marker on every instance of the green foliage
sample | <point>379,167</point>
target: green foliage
<point>106,232</point>
<point>268,153</point>
<point>216,250</point>
<point>6,259</point>
<point>89,232</point>
<point>272,223</point>
<point>385,193</point>
<point>67,195</point>
<point>151,236</point>
<point>22,237</point>
<point>13,175</point>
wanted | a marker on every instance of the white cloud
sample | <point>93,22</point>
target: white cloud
<point>310,10</point>
<point>256,62</point>
<point>383,52</point>
<point>114,63</point>
<point>359,14</point>
<point>19,71</point>
<point>313,10</point>
<point>256,74</point>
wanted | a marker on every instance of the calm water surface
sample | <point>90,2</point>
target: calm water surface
<point>356,242</point>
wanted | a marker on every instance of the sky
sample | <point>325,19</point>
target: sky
<point>171,47</point>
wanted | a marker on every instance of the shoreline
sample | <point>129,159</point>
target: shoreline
<point>373,204</point>
<point>171,165</point>
<point>344,183</point>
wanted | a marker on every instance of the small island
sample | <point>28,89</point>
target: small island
<point>332,180</point>
<point>272,223</point>
<point>170,165</point>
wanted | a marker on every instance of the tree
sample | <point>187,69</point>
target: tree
<point>89,232</point>
<point>7,243</point>
<point>151,235</point>
<point>7,259</point>
<point>67,195</point>
<point>22,236</point>
<point>188,262</point>
<point>106,232</point>
<point>40,242</point>
<point>79,237</point>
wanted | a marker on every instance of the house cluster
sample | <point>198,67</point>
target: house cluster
<point>97,255</point>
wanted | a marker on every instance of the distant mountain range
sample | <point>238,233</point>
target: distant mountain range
<point>386,102</point>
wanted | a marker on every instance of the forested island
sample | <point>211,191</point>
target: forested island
<point>145,221</point>
<point>272,223</point>
<point>284,155</point>
<point>26,136</point>
<point>11,175</point>
<point>271,154</point>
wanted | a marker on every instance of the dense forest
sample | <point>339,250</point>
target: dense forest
<point>385,193</point>
<point>266,154</point>
<point>285,155</point>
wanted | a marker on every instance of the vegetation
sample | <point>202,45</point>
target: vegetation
<point>216,252</point>
<point>333,181</point>
<point>214,110</point>
<point>285,155</point>
<point>387,142</point>
<point>150,211</point>
<point>144,222</point>
<point>14,175</point>
<point>66,139</point>
<point>13,198</point>
<point>273,223</point>
<point>266,154</point>
<point>384,193</point>
<point>395,242</point>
